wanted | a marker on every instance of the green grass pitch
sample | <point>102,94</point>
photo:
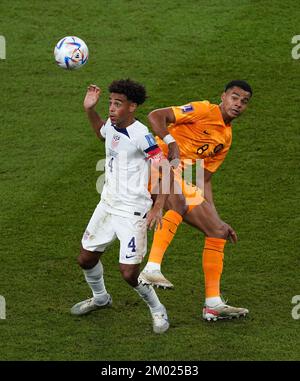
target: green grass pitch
<point>181,51</point>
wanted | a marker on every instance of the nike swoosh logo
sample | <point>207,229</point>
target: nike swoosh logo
<point>205,132</point>
<point>130,256</point>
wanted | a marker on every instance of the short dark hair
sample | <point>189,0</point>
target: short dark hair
<point>239,83</point>
<point>134,91</point>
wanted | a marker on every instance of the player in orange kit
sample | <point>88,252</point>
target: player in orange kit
<point>198,130</point>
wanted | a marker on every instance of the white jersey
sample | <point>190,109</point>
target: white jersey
<point>127,168</point>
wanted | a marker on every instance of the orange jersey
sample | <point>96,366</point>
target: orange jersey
<point>200,133</point>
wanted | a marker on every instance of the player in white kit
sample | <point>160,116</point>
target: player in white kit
<point>124,211</point>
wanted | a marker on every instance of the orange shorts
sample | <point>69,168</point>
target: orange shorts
<point>193,194</point>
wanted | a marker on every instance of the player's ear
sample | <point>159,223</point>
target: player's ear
<point>223,96</point>
<point>132,107</point>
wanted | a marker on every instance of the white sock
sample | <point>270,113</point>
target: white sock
<point>94,278</point>
<point>149,296</point>
<point>151,266</point>
<point>212,302</point>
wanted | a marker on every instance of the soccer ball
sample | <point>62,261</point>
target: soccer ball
<point>71,53</point>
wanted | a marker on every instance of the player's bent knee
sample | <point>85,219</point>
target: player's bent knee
<point>129,274</point>
<point>85,263</point>
<point>177,204</point>
<point>87,259</point>
<point>81,261</point>
<point>224,231</point>
<point>219,231</point>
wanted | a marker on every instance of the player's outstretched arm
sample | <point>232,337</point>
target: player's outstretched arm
<point>91,99</point>
<point>159,120</point>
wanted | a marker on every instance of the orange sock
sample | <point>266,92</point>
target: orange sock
<point>164,236</point>
<point>212,263</point>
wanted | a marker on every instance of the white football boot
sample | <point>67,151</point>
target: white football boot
<point>89,305</point>
<point>223,311</point>
<point>160,320</point>
<point>156,278</point>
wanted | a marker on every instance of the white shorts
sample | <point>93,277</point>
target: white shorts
<point>105,227</point>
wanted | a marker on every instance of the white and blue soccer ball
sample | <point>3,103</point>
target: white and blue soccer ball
<point>71,53</point>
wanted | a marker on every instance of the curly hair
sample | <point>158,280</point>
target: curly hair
<point>134,91</point>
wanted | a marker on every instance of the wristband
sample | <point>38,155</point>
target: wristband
<point>169,139</point>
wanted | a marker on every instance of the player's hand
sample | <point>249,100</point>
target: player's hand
<point>232,236</point>
<point>92,97</point>
<point>154,218</point>
<point>174,154</point>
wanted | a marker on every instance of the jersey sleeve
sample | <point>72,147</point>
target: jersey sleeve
<point>103,130</point>
<point>148,145</point>
<point>213,163</point>
<point>190,112</point>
